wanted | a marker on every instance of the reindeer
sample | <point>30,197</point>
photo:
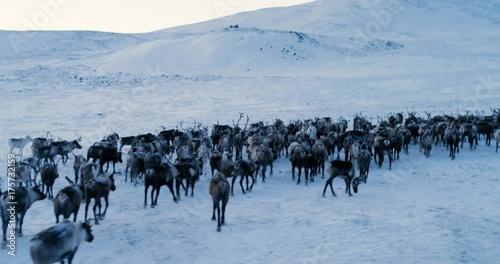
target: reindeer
<point>219,190</point>
<point>346,145</point>
<point>23,199</point>
<point>469,131</point>
<point>93,151</point>
<point>65,147</point>
<point>320,152</point>
<point>19,143</point>
<point>298,154</point>
<point>126,141</point>
<point>59,242</point>
<point>47,153</point>
<point>156,176</point>
<point>23,174</point>
<point>109,154</point>
<point>426,143</point>
<point>396,140</point>
<point>189,169</point>
<point>354,150</point>
<point>363,160</point>
<point>382,146</point>
<point>68,200</point>
<point>262,156</point>
<point>245,169</point>
<point>345,171</point>
<point>79,161</point>
<point>131,160</point>
<point>452,137</point>
<point>48,175</point>
<point>98,188</point>
<point>88,171</point>
<point>220,161</point>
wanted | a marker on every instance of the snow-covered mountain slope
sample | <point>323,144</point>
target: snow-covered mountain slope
<point>312,60</point>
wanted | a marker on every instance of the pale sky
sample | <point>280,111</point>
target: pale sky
<point>124,16</point>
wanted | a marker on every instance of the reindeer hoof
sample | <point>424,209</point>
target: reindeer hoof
<point>298,183</point>
<point>20,235</point>
<point>232,194</point>
<point>96,222</point>
<point>334,195</point>
<point>323,195</point>
<point>213,218</point>
<point>101,217</point>
<point>218,229</point>
<point>244,193</point>
<point>152,206</point>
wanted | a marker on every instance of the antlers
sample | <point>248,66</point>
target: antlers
<point>237,123</point>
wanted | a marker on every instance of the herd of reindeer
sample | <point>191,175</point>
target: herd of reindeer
<point>175,158</point>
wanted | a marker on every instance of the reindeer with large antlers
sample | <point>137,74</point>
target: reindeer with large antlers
<point>65,147</point>
<point>239,137</point>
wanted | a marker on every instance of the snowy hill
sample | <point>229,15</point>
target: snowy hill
<point>325,58</point>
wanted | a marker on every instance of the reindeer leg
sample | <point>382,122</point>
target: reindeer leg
<point>152,196</point>
<point>241,183</point>
<point>95,216</point>
<point>21,220</point>
<point>298,180</point>
<point>232,185</point>
<point>218,218</point>
<point>146,187</point>
<point>157,194</point>
<point>171,188</point>
<point>213,214</point>
<point>177,186</point>
<point>106,208</point>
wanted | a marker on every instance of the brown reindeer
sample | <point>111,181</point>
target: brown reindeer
<point>219,190</point>
<point>98,188</point>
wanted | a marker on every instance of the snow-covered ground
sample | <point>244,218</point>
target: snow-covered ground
<point>325,58</point>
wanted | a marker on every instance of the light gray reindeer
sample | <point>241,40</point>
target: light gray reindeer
<point>19,143</point>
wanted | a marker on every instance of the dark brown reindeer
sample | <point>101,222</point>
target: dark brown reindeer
<point>297,155</point>
<point>68,200</point>
<point>452,137</point>
<point>156,176</point>
<point>23,197</point>
<point>245,169</point>
<point>219,190</point>
<point>344,170</point>
<point>190,169</point>
<point>107,155</point>
<point>98,188</point>
<point>49,174</point>
<point>383,146</point>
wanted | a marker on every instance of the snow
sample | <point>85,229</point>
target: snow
<point>443,59</point>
